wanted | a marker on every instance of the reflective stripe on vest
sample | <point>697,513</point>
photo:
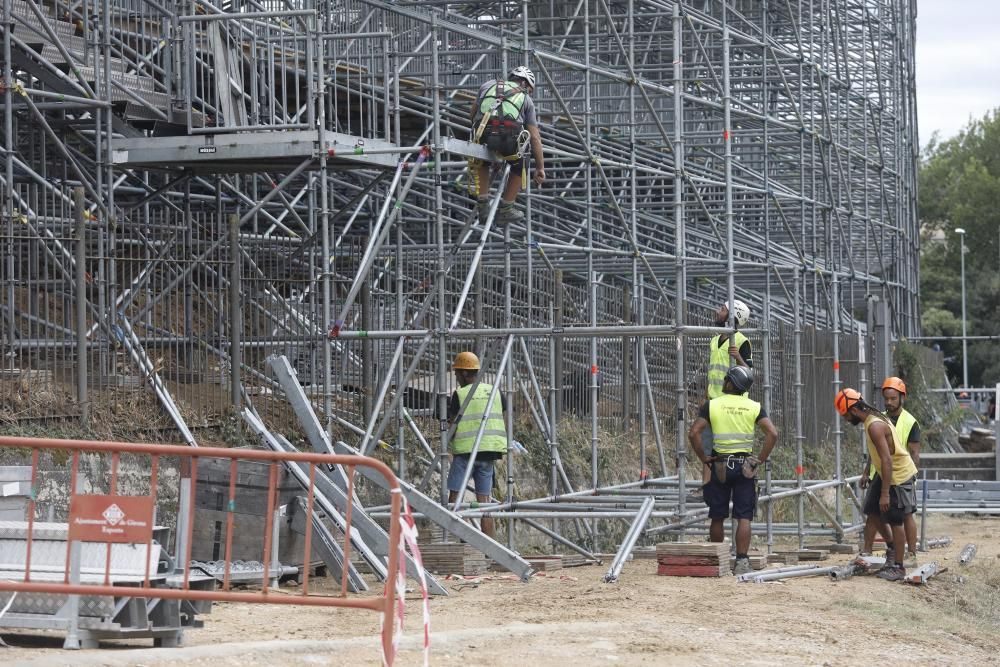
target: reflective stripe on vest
<point>903,427</point>
<point>719,362</point>
<point>733,418</point>
<point>495,431</point>
<point>902,464</point>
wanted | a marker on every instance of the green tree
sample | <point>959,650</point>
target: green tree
<point>959,185</point>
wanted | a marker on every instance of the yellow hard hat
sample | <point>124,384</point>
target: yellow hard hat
<point>466,361</point>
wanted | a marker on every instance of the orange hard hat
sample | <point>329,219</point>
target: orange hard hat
<point>466,361</point>
<point>846,399</point>
<point>894,383</point>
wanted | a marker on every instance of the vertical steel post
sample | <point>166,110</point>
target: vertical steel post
<point>799,432</point>
<point>680,309</point>
<point>8,181</point>
<point>81,307</point>
<point>326,307</point>
<point>367,349</point>
<point>442,361</point>
<point>838,430</point>
<point>235,315</point>
<point>965,340</point>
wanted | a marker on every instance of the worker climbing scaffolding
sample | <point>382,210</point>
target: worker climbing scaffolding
<point>503,119</point>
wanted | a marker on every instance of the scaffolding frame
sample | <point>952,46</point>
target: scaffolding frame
<point>189,190</point>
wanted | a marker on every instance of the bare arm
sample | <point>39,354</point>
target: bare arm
<point>694,438</point>
<point>770,437</point>
<point>884,446</point>
<point>536,152</point>
<point>914,449</point>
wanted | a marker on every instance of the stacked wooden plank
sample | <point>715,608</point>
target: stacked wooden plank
<point>546,563</point>
<point>575,560</point>
<point>644,553</point>
<point>453,558</point>
<point>688,559</point>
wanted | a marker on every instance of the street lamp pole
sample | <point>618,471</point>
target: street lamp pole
<point>965,343</point>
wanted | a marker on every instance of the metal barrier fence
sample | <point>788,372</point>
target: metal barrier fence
<point>107,515</point>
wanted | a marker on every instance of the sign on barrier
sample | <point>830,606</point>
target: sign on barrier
<point>110,516</point>
<point>127,519</point>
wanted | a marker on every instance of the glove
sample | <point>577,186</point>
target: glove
<point>750,464</point>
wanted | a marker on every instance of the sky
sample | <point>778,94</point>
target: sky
<point>958,63</point>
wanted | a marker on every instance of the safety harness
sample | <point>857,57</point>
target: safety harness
<point>500,129</point>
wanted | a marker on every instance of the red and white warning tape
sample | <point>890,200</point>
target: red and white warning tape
<point>408,532</point>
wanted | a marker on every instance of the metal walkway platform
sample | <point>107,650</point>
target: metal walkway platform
<point>255,151</point>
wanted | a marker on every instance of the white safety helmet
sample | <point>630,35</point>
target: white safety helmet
<point>741,312</point>
<point>522,72</point>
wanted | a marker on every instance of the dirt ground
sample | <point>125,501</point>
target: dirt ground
<point>641,620</point>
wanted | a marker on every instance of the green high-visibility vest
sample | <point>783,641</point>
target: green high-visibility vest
<point>718,363</point>
<point>733,418</point>
<point>495,432</point>
<point>510,107</point>
<point>903,427</point>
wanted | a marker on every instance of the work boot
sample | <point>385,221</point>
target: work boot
<point>742,566</point>
<point>891,573</point>
<point>483,205</point>
<point>507,213</point>
<point>890,556</point>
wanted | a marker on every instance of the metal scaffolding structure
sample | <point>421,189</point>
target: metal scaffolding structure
<point>193,187</point>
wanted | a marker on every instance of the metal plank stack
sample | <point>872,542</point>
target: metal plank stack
<point>453,558</point>
<point>687,559</point>
<point>804,555</point>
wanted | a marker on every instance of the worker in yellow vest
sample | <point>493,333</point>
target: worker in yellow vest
<point>724,353</point>
<point>908,430</point>
<point>468,410</point>
<point>891,495</point>
<point>893,394</point>
<point>731,466</point>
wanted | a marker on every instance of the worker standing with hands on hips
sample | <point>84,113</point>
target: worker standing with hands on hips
<point>731,465</point>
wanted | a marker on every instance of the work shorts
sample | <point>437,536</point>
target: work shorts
<point>902,500</point>
<point>735,488</point>
<point>482,474</point>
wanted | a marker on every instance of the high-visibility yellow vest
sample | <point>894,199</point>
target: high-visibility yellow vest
<point>733,418</point>
<point>902,465</point>
<point>495,432</point>
<point>904,424</point>
<point>718,362</point>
